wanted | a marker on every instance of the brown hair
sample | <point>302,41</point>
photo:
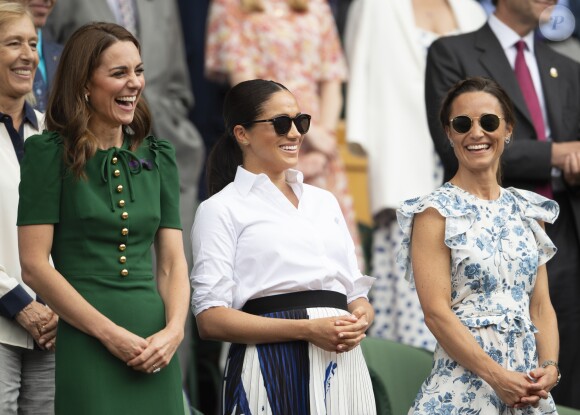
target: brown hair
<point>478,84</point>
<point>251,6</point>
<point>68,112</point>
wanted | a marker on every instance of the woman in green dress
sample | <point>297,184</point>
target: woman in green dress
<point>97,192</point>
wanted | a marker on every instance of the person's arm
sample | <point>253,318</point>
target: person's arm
<point>173,287</point>
<point>430,259</point>
<point>16,304</point>
<point>547,339</point>
<point>227,324</point>
<point>34,244</point>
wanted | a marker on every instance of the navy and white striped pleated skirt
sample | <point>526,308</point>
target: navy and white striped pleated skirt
<point>296,378</point>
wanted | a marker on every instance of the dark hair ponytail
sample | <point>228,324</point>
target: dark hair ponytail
<point>243,103</point>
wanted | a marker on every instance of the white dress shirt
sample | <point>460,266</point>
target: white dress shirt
<point>249,241</point>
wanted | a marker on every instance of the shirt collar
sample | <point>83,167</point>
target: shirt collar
<point>30,115</point>
<point>245,180</point>
<point>507,36</point>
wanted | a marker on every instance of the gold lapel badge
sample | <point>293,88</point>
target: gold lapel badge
<point>553,72</point>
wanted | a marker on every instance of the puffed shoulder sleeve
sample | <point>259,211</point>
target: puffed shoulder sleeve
<point>214,239</point>
<point>459,216</point>
<point>534,208</point>
<point>41,172</point>
<point>169,182</point>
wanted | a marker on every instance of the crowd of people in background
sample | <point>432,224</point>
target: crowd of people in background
<point>167,111</point>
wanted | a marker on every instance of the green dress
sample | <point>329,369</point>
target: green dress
<point>104,227</point>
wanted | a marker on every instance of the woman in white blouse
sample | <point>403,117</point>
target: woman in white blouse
<point>275,271</point>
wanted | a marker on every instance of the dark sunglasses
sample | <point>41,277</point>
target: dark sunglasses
<point>463,123</point>
<point>283,123</point>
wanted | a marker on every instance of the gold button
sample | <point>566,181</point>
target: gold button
<point>114,160</point>
<point>121,203</point>
<point>124,231</point>
<point>124,215</point>
<point>119,188</point>
<point>122,259</point>
<point>117,173</point>
<point>122,247</point>
<point>124,273</point>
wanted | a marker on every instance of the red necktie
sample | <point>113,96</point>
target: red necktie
<point>533,103</point>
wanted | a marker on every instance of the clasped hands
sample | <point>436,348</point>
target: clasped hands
<point>40,321</point>
<point>339,334</point>
<point>518,390</point>
<point>147,355</point>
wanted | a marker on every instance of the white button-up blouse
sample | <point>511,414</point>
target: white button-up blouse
<point>249,241</point>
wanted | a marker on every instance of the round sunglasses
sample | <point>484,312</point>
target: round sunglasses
<point>283,123</point>
<point>463,123</point>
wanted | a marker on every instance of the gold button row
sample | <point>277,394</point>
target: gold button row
<point>122,259</point>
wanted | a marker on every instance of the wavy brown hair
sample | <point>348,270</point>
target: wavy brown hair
<point>68,112</point>
<point>250,6</point>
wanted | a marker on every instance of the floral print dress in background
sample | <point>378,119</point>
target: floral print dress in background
<point>496,248</point>
<point>299,50</point>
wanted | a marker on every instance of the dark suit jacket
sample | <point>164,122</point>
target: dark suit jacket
<point>526,161</point>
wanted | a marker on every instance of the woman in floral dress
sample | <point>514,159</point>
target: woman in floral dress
<point>476,253</point>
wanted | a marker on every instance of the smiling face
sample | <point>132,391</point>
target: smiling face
<point>478,150</point>
<point>18,57</point>
<point>115,86</point>
<point>263,150</point>
<point>40,10</point>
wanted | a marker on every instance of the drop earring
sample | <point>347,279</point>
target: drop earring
<point>508,139</point>
<point>451,142</point>
<point>86,97</point>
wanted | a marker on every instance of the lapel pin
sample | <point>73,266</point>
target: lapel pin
<point>553,72</point>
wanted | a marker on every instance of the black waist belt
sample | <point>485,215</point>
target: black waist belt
<point>300,299</point>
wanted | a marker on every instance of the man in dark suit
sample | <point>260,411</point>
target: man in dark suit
<point>530,162</point>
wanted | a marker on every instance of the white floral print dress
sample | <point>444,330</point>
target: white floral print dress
<point>496,248</point>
